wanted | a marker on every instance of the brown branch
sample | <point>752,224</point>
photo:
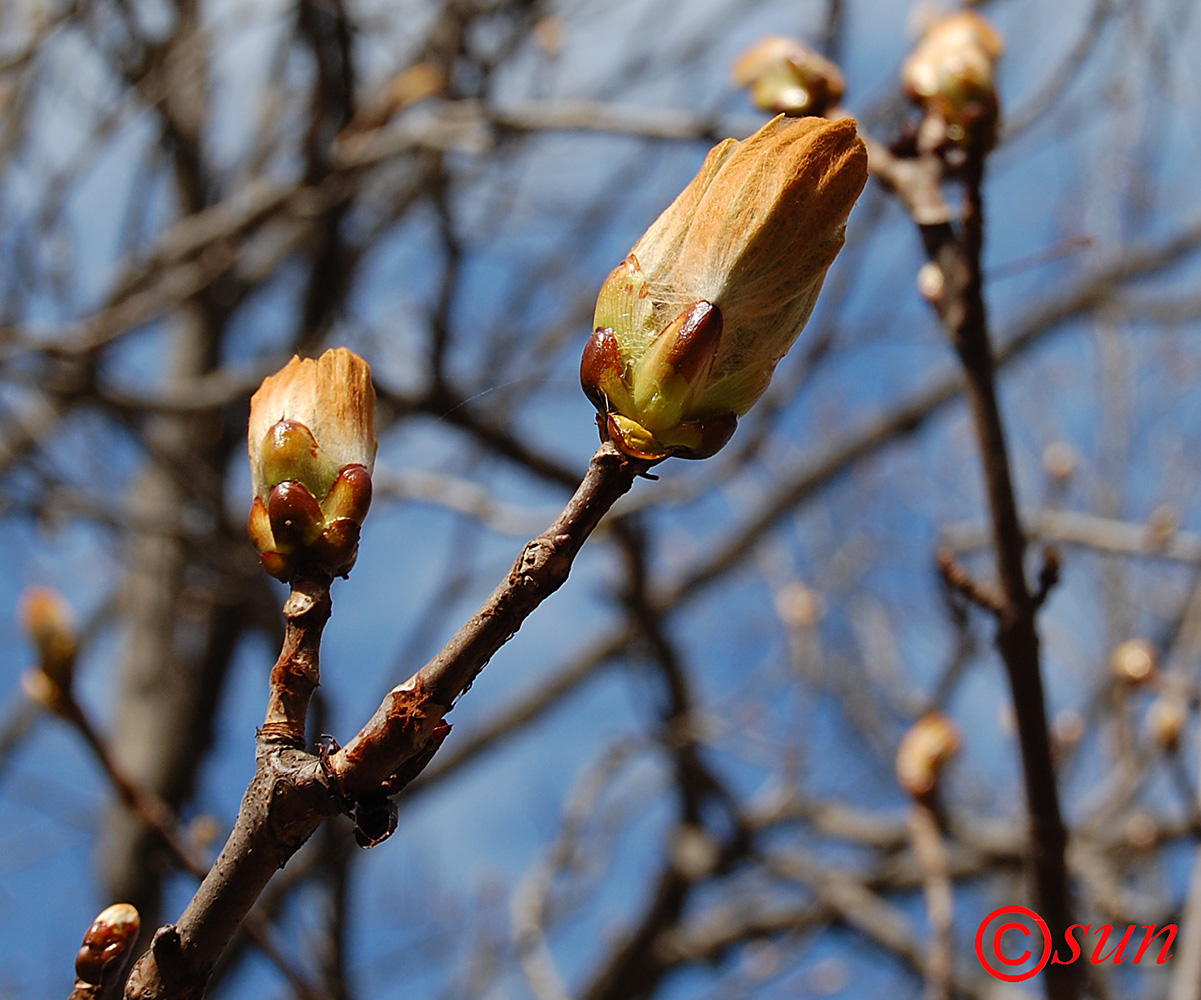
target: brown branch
<point>156,815</point>
<point>962,311</point>
<point>862,910</point>
<point>297,673</point>
<point>1103,534</point>
<point>1048,576</point>
<point>150,809</point>
<point>931,854</point>
<point>514,719</point>
<point>287,799</point>
<point>698,853</point>
<point>292,792</point>
<point>957,577</point>
<point>411,711</point>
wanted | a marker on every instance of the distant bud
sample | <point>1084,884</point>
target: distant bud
<point>1142,832</point>
<point>1060,461</point>
<point>312,448</point>
<point>951,74</point>
<point>550,35</point>
<point>416,83</point>
<point>786,76</point>
<point>1067,729</point>
<point>1133,661</point>
<point>412,84</point>
<point>1162,525</point>
<point>1166,719</point>
<point>204,830</point>
<point>690,326</point>
<point>41,690</point>
<point>931,283</point>
<point>47,620</point>
<point>798,606</point>
<point>924,751</point>
<point>694,852</point>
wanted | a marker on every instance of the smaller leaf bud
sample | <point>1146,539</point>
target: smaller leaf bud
<point>925,750</point>
<point>47,620</point>
<point>786,76</point>
<point>1133,661</point>
<point>311,442</point>
<point>107,951</point>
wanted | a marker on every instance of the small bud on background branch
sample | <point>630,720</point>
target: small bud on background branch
<point>786,76</point>
<point>47,620</point>
<point>1133,662</point>
<point>925,750</point>
<point>951,75</point>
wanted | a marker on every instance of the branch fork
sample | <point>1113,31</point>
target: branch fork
<point>294,791</point>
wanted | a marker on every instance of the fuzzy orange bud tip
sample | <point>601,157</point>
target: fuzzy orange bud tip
<point>787,76</point>
<point>312,447</point>
<point>107,950</point>
<point>951,74</point>
<point>47,619</point>
<point>924,751</point>
<point>1133,661</point>
<point>690,326</point>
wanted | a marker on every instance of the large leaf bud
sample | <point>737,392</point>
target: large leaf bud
<point>691,325</point>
